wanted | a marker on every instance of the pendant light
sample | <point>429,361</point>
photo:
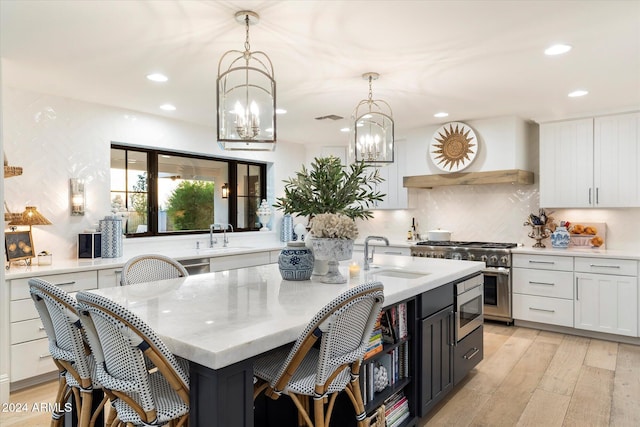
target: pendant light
<point>373,129</point>
<point>246,96</point>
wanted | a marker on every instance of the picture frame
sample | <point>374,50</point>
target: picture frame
<point>18,246</point>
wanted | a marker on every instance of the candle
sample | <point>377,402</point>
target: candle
<point>354,269</point>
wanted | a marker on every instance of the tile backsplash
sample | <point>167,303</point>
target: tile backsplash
<point>494,213</point>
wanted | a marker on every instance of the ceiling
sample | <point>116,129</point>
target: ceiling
<point>472,59</point>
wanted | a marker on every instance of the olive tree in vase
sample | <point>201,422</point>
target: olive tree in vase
<point>328,187</point>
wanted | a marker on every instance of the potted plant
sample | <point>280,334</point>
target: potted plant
<point>332,197</point>
<point>327,187</point>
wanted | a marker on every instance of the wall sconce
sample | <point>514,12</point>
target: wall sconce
<point>77,196</point>
<point>225,191</point>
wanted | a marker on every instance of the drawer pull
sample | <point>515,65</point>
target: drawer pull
<point>542,309</point>
<point>41,328</point>
<point>65,283</point>
<point>45,356</point>
<point>541,262</point>
<point>542,283</point>
<point>603,266</point>
<point>392,253</point>
<point>473,352</point>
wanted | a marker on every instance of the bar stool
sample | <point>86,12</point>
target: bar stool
<point>151,267</point>
<point>70,351</point>
<point>150,385</point>
<point>343,327</point>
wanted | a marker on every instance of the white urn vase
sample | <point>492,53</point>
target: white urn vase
<point>332,250</point>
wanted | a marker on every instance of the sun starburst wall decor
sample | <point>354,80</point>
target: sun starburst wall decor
<point>453,147</point>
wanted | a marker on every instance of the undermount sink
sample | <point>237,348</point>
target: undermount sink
<point>396,273</point>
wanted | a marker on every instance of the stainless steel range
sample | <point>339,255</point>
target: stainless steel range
<point>497,273</point>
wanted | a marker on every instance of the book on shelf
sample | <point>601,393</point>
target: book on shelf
<point>402,321</point>
<point>399,420</point>
<point>386,326</point>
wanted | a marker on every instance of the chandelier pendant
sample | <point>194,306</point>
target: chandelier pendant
<point>246,96</point>
<point>373,129</point>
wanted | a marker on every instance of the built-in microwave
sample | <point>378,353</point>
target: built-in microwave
<point>469,306</point>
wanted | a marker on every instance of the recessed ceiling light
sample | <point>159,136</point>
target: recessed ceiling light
<point>345,130</point>
<point>578,93</point>
<point>281,111</point>
<point>441,114</point>
<point>557,49</point>
<point>168,107</point>
<point>157,77</point>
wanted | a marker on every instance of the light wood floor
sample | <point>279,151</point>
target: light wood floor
<point>536,378</point>
<point>527,378</point>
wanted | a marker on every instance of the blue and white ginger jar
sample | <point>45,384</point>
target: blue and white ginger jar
<point>560,238</point>
<point>296,262</point>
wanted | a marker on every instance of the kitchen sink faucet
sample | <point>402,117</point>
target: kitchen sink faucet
<point>212,240</point>
<point>368,259</point>
<point>225,239</point>
<point>218,226</point>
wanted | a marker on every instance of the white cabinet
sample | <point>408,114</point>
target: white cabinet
<point>29,344</point>
<point>396,195</point>
<point>231,262</point>
<point>543,289</point>
<point>358,250</point>
<point>591,162</point>
<point>109,278</point>
<point>566,163</point>
<point>617,160</point>
<point>606,297</point>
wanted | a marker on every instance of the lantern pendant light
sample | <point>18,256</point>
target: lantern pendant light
<point>373,124</point>
<point>246,96</point>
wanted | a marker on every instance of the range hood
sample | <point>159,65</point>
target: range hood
<point>507,176</point>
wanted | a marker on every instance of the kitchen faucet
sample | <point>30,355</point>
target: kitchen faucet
<point>225,239</point>
<point>368,259</point>
<point>212,240</point>
<point>218,226</point>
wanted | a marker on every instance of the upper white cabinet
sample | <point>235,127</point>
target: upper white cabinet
<point>591,162</point>
<point>396,194</point>
<point>616,156</point>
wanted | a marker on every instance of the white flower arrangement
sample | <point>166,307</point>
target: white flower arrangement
<point>333,226</point>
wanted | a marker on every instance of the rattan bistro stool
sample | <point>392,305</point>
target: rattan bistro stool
<point>149,268</point>
<point>343,327</point>
<point>150,384</point>
<point>70,351</point>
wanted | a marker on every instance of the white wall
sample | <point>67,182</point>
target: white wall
<point>56,138</point>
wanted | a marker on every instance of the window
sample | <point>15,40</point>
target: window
<point>161,192</point>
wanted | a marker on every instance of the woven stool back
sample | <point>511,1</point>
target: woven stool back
<point>149,268</point>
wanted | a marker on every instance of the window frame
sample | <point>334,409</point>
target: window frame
<point>152,187</point>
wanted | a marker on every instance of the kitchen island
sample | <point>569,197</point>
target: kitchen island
<point>220,321</point>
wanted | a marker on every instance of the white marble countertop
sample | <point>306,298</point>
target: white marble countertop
<point>581,252</point>
<point>177,252</point>
<point>217,319</point>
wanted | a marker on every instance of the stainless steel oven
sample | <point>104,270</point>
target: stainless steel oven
<point>469,306</point>
<point>497,272</point>
<point>497,294</point>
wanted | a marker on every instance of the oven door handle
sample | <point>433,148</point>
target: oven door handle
<point>496,271</point>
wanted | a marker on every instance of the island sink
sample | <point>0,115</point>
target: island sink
<point>397,273</point>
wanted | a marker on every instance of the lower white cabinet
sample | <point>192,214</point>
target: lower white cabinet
<point>543,289</point>
<point>29,344</point>
<point>552,311</point>
<point>109,278</point>
<point>589,293</point>
<point>230,262</point>
<point>607,302</point>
